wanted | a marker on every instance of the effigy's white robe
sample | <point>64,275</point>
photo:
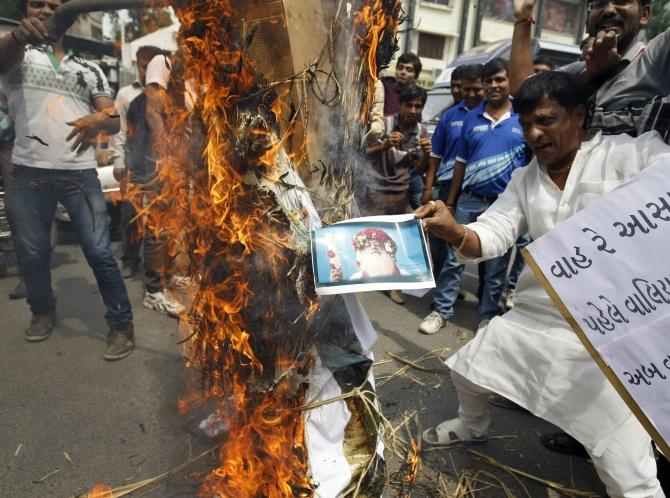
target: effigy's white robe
<point>530,354</point>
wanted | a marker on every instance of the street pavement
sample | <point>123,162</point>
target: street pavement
<point>69,419</point>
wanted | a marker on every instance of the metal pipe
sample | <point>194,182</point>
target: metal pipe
<point>67,13</point>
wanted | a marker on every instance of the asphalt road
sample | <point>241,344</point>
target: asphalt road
<point>69,419</point>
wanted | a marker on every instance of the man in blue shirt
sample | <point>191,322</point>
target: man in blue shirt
<point>444,144</point>
<point>448,132</point>
<point>491,147</point>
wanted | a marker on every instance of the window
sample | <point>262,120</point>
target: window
<point>498,9</point>
<point>561,15</point>
<point>96,33</point>
<point>431,46</point>
<point>446,3</point>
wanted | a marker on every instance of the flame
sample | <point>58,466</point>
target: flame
<point>247,325</point>
<point>372,22</point>
<point>100,490</point>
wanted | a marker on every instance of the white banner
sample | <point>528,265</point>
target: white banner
<point>608,270</point>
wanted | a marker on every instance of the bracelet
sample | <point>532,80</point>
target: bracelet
<point>16,40</point>
<point>525,20</point>
<point>466,231</point>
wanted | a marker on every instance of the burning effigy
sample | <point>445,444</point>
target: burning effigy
<point>260,153</point>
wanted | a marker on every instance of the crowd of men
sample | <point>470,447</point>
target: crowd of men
<point>508,160</point>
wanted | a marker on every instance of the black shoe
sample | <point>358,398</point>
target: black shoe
<point>20,291</point>
<point>41,326</point>
<point>119,343</point>
<point>560,442</point>
<point>128,270</point>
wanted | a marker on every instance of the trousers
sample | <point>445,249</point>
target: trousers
<point>32,205</point>
<point>627,467</point>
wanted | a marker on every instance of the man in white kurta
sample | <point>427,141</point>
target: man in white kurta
<point>530,355</point>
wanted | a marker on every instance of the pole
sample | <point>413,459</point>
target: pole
<point>411,7</point>
<point>464,26</point>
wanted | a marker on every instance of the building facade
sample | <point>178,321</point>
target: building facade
<point>439,30</point>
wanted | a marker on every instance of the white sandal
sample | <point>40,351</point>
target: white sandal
<point>451,432</point>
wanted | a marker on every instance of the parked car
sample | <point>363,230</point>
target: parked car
<point>439,97</point>
<point>110,187</point>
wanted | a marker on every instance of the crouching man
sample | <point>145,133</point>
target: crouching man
<point>530,354</point>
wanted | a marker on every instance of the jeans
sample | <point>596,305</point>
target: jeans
<point>449,281</point>
<point>415,189</point>
<point>438,247</point>
<point>35,193</point>
<point>134,235</point>
<point>518,264</point>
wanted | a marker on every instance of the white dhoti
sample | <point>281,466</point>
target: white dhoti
<point>530,354</point>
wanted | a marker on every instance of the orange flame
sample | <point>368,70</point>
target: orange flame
<point>100,490</point>
<point>238,244</point>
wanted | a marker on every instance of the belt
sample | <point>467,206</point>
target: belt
<point>488,198</point>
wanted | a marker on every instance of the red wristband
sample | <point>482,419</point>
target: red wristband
<point>526,20</point>
<point>15,38</point>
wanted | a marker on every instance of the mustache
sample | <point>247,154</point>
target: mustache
<point>616,21</point>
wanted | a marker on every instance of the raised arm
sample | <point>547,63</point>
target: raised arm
<point>12,46</point>
<point>521,55</point>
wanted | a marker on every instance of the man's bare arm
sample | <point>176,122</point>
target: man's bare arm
<point>521,55</point>
<point>437,219</point>
<point>456,182</point>
<point>156,104</point>
<point>429,181</point>
<point>12,47</point>
<point>86,129</point>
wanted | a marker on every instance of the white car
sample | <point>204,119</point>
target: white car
<point>110,186</point>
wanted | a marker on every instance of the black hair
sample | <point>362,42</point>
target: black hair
<point>456,73</point>
<point>411,92</point>
<point>583,43</point>
<point>472,72</point>
<point>23,5</point>
<point>564,88</point>
<point>493,66</point>
<point>149,51</point>
<point>545,61</point>
<point>413,59</point>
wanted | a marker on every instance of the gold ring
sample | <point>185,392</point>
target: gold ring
<point>432,203</point>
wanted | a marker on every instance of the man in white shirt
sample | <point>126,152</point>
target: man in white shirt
<point>50,96</point>
<point>530,355</point>
<point>125,95</point>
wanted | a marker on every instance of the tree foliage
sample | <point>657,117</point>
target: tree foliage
<point>9,10</point>
<point>145,21</point>
<point>660,18</point>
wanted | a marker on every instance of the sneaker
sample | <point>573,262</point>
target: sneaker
<point>20,291</point>
<point>396,297</point>
<point>180,282</point>
<point>119,343</point>
<point>128,270</point>
<point>163,302</point>
<point>41,326</point>
<point>432,323</point>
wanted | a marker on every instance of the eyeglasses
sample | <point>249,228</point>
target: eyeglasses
<point>601,4</point>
